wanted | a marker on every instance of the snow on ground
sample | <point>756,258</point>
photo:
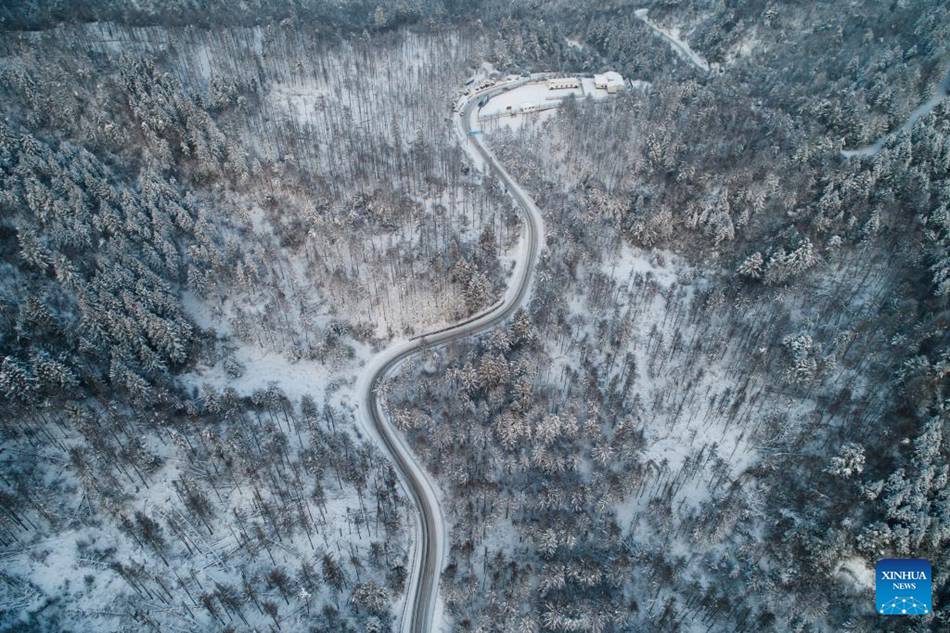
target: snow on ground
<point>300,100</point>
<point>438,541</point>
<point>921,111</point>
<point>71,565</point>
<point>516,121</point>
<point>856,571</point>
<point>393,303</point>
<point>262,368</point>
<point>745,47</point>
<point>663,266</point>
<point>537,93</point>
<point>506,108</point>
<point>652,292</point>
<point>530,93</point>
<point>487,69</point>
<point>58,569</point>
<point>295,378</point>
<point>672,35</point>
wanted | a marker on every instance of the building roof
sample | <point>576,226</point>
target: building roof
<point>609,79</point>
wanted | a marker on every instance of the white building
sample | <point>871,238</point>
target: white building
<point>563,83</point>
<point>610,81</point>
<point>530,107</point>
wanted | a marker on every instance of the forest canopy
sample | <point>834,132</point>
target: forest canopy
<point>730,366</point>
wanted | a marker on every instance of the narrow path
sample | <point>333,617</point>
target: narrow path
<point>943,91</point>
<point>678,45</point>
<point>429,546</point>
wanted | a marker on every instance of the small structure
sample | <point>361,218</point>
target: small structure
<point>610,81</point>
<point>530,107</point>
<point>563,83</point>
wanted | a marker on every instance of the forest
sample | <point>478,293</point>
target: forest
<point>724,400</point>
<point>196,263</point>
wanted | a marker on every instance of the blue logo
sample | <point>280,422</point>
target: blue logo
<point>902,586</point>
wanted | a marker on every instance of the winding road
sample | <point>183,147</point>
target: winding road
<point>941,93</point>
<point>431,533</point>
<point>429,547</point>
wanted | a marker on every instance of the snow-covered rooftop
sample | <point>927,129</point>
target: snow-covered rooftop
<point>609,78</point>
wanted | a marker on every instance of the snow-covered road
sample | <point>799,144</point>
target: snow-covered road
<point>943,91</point>
<point>678,44</point>
<point>684,50</point>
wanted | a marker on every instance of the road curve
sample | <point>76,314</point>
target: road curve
<point>431,532</point>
